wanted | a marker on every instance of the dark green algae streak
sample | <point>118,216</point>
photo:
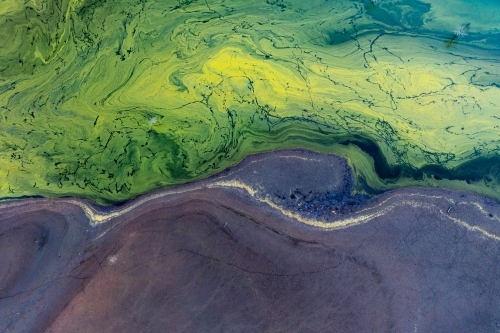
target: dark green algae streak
<point>74,121</point>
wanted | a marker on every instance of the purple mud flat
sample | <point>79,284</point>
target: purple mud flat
<point>226,255</point>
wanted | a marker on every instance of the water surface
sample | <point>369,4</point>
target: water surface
<point>110,99</point>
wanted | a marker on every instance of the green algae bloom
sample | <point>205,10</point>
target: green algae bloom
<point>110,99</point>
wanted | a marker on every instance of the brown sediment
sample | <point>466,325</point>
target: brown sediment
<point>224,255</point>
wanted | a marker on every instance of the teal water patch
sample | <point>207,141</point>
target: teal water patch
<point>483,15</point>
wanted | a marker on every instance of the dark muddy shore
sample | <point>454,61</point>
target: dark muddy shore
<point>227,255</point>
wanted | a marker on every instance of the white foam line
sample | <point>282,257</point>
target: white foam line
<point>470,227</point>
<point>482,210</point>
<point>267,158</point>
<point>341,223</point>
<point>96,217</point>
<point>364,218</point>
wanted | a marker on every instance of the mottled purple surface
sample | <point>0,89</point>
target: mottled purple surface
<point>213,258</point>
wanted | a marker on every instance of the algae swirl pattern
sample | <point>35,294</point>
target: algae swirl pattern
<point>110,99</point>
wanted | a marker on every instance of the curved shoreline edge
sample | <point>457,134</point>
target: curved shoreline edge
<point>372,208</point>
<point>278,234</point>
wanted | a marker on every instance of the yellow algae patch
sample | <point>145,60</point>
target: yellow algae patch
<point>236,74</point>
<point>110,100</point>
<point>9,6</point>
